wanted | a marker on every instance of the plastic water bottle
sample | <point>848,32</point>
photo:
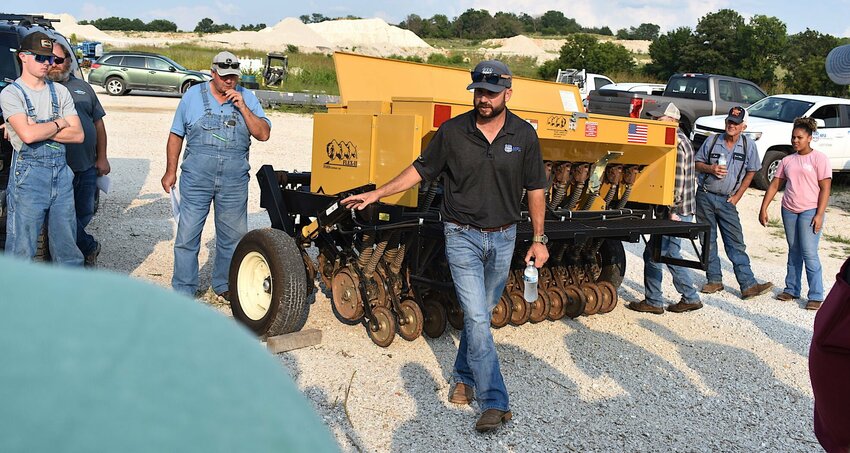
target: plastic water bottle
<point>529,277</point>
<point>722,160</point>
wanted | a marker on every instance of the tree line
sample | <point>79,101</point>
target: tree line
<point>125,24</point>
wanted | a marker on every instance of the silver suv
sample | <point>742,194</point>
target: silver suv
<point>120,72</point>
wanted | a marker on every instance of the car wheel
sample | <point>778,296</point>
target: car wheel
<point>186,85</point>
<point>769,166</point>
<point>115,86</point>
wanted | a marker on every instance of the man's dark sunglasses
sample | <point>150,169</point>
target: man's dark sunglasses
<point>488,78</point>
<point>43,58</point>
<point>58,60</point>
<point>226,65</point>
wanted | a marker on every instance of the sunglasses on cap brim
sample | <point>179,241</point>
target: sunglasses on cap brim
<point>489,77</point>
<point>228,65</point>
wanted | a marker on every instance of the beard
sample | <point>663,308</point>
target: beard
<point>495,110</point>
<point>59,75</point>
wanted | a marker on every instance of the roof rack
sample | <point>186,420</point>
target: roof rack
<point>29,19</point>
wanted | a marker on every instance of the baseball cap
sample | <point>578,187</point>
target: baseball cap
<point>737,115</point>
<point>491,75</point>
<point>838,65</point>
<point>37,43</point>
<point>225,64</point>
<point>665,109</point>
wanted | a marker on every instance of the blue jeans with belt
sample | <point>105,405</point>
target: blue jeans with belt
<point>479,262</point>
<point>802,250</point>
<point>720,214</point>
<point>652,272</point>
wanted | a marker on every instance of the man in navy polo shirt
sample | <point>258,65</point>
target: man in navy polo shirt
<point>726,164</point>
<point>486,157</point>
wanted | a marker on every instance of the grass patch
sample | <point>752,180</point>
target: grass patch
<point>309,72</point>
<point>776,250</point>
<point>304,109</point>
<point>775,223</point>
<point>837,238</point>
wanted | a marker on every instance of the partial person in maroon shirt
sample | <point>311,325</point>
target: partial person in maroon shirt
<point>829,366</point>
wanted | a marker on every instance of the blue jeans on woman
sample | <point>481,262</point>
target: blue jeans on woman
<point>802,249</point>
<point>652,272</point>
<point>479,262</point>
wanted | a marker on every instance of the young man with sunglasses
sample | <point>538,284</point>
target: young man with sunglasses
<point>40,120</point>
<point>485,157</point>
<point>217,119</point>
<point>88,159</point>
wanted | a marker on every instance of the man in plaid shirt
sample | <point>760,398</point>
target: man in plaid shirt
<point>683,209</point>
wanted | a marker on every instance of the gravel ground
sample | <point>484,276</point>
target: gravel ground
<point>730,377</point>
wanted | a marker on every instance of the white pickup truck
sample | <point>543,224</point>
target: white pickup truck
<point>770,124</point>
<point>585,81</point>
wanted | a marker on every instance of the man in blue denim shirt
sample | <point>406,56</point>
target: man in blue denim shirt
<point>218,119</point>
<point>486,157</point>
<point>721,186</point>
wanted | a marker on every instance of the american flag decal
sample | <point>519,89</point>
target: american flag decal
<point>637,133</point>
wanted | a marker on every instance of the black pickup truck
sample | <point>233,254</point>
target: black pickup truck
<point>694,94</point>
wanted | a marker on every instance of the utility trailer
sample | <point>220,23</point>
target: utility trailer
<point>385,267</point>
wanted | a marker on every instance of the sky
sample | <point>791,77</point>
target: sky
<point>824,16</point>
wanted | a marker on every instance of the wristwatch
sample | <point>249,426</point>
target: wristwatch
<point>543,239</point>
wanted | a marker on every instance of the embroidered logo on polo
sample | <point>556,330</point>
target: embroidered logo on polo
<point>512,149</point>
<point>80,92</point>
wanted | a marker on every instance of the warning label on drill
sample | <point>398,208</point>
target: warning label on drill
<point>590,129</point>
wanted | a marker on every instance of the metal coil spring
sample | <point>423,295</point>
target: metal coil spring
<point>575,195</point>
<point>558,197</point>
<point>609,196</point>
<point>367,241</point>
<point>622,202</point>
<point>376,258</point>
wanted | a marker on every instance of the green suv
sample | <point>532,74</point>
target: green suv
<point>120,72</point>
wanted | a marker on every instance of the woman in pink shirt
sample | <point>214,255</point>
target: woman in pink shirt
<point>808,176</point>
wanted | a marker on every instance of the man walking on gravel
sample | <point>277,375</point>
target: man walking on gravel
<point>88,159</point>
<point>217,119</point>
<point>40,121</point>
<point>727,163</point>
<point>684,206</point>
<point>486,157</point>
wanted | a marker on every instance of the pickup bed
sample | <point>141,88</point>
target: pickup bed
<point>771,121</point>
<point>695,95</point>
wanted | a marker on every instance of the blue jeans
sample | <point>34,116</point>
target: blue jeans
<point>720,214</point>
<point>802,248</point>
<point>220,179</point>
<point>41,188</point>
<point>85,188</point>
<point>479,262</point>
<point>652,272</point>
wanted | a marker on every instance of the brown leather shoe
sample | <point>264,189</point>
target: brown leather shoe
<point>492,419</point>
<point>711,287</point>
<point>756,290</point>
<point>684,306</point>
<point>645,307</point>
<point>461,394</point>
<point>785,297</point>
<point>813,304</point>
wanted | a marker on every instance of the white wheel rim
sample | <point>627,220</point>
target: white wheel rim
<point>114,86</point>
<point>771,170</point>
<point>254,283</point>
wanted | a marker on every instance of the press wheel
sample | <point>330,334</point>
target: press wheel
<point>520,309</point>
<point>557,303</point>
<point>378,295</point>
<point>609,296</point>
<point>346,296</point>
<point>434,322</point>
<point>576,301</point>
<point>410,320</point>
<point>593,296</point>
<point>382,326</point>
<point>501,312</point>
<point>539,308</point>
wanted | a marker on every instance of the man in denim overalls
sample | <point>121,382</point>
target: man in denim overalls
<point>218,119</point>
<point>40,119</point>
